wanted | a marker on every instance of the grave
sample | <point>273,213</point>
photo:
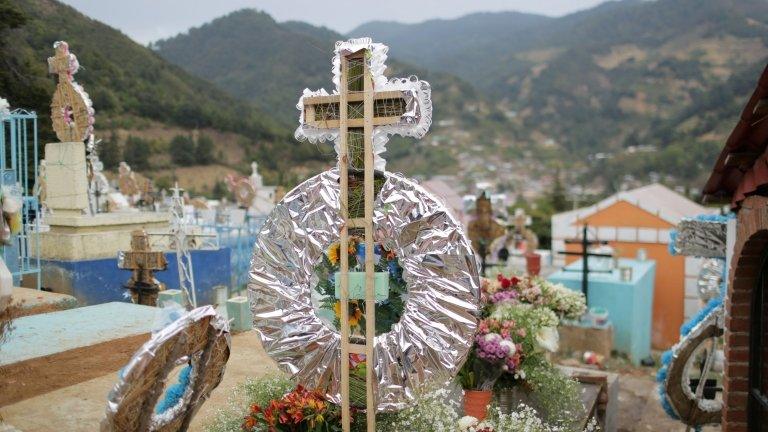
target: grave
<point>80,248</point>
<point>627,295</point>
<point>58,349</point>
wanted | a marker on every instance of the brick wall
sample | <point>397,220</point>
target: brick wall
<point>751,243</point>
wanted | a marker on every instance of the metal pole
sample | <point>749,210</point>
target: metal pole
<point>584,262</point>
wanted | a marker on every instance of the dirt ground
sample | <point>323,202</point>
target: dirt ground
<point>79,408</point>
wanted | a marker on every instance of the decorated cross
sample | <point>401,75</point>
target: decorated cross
<point>401,106</point>
<point>71,109</point>
<point>359,117</point>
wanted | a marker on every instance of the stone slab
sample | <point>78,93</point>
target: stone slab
<point>42,335</point>
<point>65,178</point>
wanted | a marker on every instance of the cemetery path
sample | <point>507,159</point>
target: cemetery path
<point>79,408</point>
<point>639,409</point>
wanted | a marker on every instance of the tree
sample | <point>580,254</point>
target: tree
<point>136,153</point>
<point>220,190</point>
<point>204,150</point>
<point>558,200</point>
<point>110,153</point>
<point>182,150</point>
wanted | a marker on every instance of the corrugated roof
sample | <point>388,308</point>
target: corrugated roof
<point>654,198</point>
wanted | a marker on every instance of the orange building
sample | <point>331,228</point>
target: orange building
<point>641,219</point>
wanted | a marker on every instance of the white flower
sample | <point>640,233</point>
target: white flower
<point>548,338</point>
<point>5,107</point>
<point>509,344</point>
<point>492,337</point>
<point>467,422</point>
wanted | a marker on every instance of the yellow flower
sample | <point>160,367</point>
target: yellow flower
<point>334,252</point>
<point>354,317</point>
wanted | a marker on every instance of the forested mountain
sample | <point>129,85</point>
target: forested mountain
<point>129,84</point>
<point>628,87</point>
<point>666,73</point>
<point>253,57</point>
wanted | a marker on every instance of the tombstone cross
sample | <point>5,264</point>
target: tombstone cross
<point>71,108</point>
<point>364,110</point>
<point>179,233</point>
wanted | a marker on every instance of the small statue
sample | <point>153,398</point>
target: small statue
<point>483,228</point>
<point>243,189</point>
<point>127,183</point>
<point>143,262</point>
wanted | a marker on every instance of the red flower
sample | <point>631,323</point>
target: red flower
<point>505,283</point>
<point>514,281</point>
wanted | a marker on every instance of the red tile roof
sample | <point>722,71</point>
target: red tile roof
<point>742,166</point>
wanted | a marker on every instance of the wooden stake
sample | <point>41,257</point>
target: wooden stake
<point>344,245</point>
<point>370,290</point>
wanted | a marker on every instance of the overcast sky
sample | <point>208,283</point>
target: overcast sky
<point>149,20</point>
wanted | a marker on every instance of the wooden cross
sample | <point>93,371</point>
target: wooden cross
<point>365,100</point>
<point>143,262</point>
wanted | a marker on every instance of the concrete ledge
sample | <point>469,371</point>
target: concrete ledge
<point>106,219</point>
<point>88,237</point>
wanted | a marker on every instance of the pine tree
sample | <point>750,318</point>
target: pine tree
<point>182,150</point>
<point>110,152</point>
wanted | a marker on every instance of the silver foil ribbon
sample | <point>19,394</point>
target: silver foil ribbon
<point>142,358</point>
<point>715,318</point>
<point>700,238</point>
<point>710,279</point>
<point>437,327</point>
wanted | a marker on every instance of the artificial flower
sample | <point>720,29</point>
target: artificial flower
<point>548,338</point>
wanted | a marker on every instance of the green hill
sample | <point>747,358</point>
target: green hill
<point>667,73</point>
<point>253,57</point>
<point>132,88</point>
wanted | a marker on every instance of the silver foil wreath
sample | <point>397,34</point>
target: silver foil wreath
<point>435,332</point>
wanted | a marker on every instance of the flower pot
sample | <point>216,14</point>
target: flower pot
<point>533,263</point>
<point>476,403</point>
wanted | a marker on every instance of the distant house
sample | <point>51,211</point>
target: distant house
<point>641,219</point>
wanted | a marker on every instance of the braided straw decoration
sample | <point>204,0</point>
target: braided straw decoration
<point>200,338</point>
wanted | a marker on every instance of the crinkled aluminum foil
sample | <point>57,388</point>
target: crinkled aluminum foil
<point>702,238</point>
<point>417,94</point>
<point>710,281</point>
<point>145,354</point>
<point>714,318</point>
<point>436,331</point>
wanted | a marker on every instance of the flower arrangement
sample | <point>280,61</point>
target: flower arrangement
<point>275,404</point>
<point>565,303</point>
<point>517,330</point>
<point>298,411</point>
<point>388,311</point>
